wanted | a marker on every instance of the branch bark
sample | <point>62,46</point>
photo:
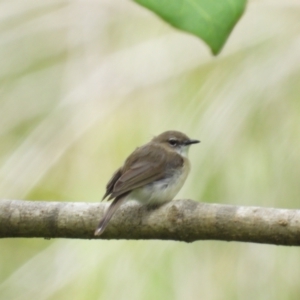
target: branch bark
<point>180,220</point>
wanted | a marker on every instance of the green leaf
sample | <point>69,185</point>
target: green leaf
<point>211,20</point>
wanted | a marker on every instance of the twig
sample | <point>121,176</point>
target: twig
<point>180,220</point>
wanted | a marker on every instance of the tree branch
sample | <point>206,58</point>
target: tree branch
<point>181,220</point>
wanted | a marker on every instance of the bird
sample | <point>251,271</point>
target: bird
<point>152,174</point>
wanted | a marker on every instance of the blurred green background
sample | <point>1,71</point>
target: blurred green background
<point>82,83</point>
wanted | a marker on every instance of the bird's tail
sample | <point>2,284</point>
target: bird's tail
<point>108,214</point>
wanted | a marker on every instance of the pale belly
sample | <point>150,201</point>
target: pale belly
<point>161,191</point>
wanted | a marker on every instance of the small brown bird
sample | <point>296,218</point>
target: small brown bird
<point>152,174</point>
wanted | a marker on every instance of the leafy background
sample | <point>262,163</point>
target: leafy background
<point>85,82</point>
<point>212,21</point>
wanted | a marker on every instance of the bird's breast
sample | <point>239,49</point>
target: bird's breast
<point>163,190</point>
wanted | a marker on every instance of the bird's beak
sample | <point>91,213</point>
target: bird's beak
<point>189,142</point>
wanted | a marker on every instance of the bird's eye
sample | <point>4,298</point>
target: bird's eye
<point>173,142</point>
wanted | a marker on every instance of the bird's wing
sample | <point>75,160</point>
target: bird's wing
<point>137,176</point>
<point>142,167</point>
<point>111,183</point>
